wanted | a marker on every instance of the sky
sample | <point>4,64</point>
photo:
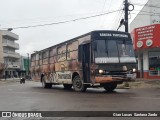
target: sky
<point>24,13</point>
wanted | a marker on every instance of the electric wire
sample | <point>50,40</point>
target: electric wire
<point>61,22</point>
<point>103,20</point>
<point>117,18</point>
<point>139,4</point>
<point>101,11</point>
<point>147,12</point>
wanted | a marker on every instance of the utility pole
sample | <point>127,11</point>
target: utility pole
<point>126,10</point>
<point>28,64</point>
<point>126,5</point>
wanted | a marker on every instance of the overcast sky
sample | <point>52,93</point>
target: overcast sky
<point>22,13</point>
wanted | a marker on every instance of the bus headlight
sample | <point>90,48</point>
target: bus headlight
<point>134,69</point>
<point>100,71</point>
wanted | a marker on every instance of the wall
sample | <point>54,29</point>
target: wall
<point>1,49</point>
<point>1,57</point>
<point>147,16</point>
<point>147,37</point>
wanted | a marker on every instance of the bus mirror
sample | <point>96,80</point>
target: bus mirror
<point>95,46</point>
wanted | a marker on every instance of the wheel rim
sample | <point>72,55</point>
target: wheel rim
<point>78,83</point>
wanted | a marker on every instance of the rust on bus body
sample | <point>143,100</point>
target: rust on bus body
<point>61,58</point>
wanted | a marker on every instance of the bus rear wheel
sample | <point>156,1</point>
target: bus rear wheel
<point>67,86</point>
<point>78,84</point>
<point>46,85</point>
<point>109,87</point>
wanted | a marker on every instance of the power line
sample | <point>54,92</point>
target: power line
<point>121,16</point>
<point>147,12</point>
<point>126,10</point>
<point>117,17</point>
<point>46,19</point>
<point>102,11</point>
<point>61,22</point>
<point>139,4</point>
<point>103,20</point>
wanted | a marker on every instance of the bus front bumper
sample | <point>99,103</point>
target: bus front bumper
<point>104,78</point>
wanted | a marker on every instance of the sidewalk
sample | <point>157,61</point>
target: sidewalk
<point>9,80</point>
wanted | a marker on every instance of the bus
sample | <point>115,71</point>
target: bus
<point>101,58</point>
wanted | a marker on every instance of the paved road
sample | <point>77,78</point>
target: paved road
<point>32,97</point>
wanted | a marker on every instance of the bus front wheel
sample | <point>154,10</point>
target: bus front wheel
<point>78,84</point>
<point>109,87</point>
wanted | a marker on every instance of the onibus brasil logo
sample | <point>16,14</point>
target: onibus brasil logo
<point>21,114</point>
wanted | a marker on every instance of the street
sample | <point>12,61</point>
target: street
<point>32,97</point>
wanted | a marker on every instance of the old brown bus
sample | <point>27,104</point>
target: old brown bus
<point>101,58</point>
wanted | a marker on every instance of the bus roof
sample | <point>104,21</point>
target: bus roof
<point>81,36</point>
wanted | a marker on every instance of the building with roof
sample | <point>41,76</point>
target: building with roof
<point>8,55</point>
<point>146,38</point>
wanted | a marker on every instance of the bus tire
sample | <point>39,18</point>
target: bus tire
<point>109,87</point>
<point>67,86</point>
<point>46,85</point>
<point>49,85</point>
<point>78,84</point>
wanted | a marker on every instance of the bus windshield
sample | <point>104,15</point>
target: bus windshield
<point>114,51</point>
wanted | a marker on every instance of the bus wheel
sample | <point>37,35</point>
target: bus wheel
<point>78,84</point>
<point>49,85</point>
<point>46,85</point>
<point>109,87</point>
<point>67,86</point>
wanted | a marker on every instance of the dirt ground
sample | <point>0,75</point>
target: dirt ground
<point>2,81</point>
<point>139,83</point>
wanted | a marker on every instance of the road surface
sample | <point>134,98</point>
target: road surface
<point>32,97</point>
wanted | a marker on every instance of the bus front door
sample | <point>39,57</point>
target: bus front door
<point>86,62</point>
